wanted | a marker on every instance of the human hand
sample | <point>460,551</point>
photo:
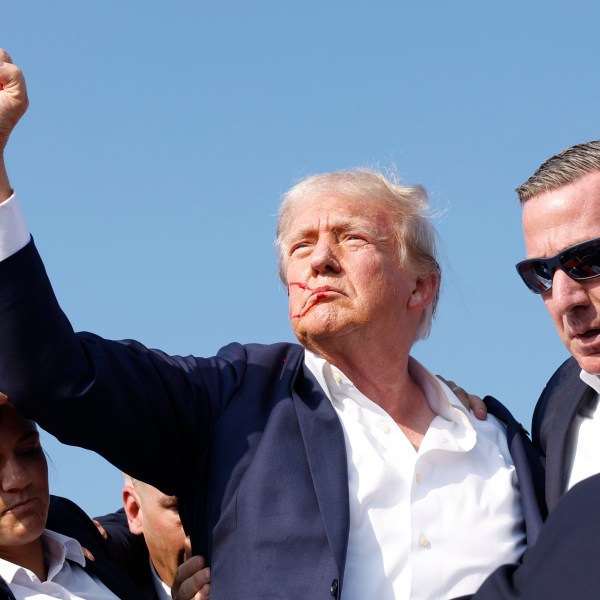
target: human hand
<point>13,104</point>
<point>13,97</point>
<point>192,581</point>
<point>469,401</point>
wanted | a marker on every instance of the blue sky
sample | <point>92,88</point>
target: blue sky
<point>161,136</point>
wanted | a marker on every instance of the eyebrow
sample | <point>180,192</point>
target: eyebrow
<point>339,225</point>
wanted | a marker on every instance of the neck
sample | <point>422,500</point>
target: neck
<point>384,378</point>
<point>29,556</point>
<point>166,573</point>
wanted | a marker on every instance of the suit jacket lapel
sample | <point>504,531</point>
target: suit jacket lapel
<point>572,397</point>
<point>326,451</point>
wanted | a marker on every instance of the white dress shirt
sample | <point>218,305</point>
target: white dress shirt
<point>584,440</point>
<point>66,578</point>
<point>431,523</point>
<point>14,233</point>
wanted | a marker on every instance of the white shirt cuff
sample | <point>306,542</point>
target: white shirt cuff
<point>14,233</point>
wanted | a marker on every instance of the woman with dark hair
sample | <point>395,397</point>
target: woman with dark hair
<point>49,548</point>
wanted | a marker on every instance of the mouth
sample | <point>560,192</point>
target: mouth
<point>315,295</point>
<point>23,506</point>
<point>590,333</point>
<point>321,291</point>
<point>587,339</point>
<point>310,290</point>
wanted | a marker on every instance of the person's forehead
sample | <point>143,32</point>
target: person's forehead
<point>15,431</point>
<point>338,211</point>
<point>560,218</point>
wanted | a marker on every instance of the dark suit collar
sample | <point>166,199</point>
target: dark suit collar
<point>326,452</point>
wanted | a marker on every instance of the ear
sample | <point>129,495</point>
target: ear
<point>133,510</point>
<point>424,292</point>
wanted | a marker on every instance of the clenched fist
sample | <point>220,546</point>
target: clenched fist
<point>13,104</point>
<point>13,97</point>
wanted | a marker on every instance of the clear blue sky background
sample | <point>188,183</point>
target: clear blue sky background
<point>161,136</point>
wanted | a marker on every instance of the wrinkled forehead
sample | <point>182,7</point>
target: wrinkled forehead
<point>334,212</point>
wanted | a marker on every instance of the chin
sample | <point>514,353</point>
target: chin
<point>22,537</point>
<point>590,364</point>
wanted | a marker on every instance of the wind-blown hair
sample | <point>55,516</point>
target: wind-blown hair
<point>562,169</point>
<point>408,207</point>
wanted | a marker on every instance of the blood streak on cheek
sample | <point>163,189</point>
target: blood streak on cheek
<point>318,296</point>
<point>300,315</point>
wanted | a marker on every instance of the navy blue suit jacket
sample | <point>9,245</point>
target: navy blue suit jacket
<point>564,397</point>
<point>247,439</point>
<point>67,518</point>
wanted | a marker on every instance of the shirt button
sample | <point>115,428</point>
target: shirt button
<point>384,426</point>
<point>337,377</point>
<point>418,478</point>
<point>424,542</point>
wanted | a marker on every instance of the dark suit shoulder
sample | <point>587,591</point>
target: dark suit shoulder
<point>125,548</point>
<point>65,517</point>
<point>270,354</point>
<point>496,408</point>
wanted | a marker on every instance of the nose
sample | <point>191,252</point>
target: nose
<point>323,259</point>
<point>15,475</point>
<point>567,294</point>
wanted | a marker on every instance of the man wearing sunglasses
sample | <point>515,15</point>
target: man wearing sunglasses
<point>561,225</point>
<point>277,513</point>
<point>561,220</point>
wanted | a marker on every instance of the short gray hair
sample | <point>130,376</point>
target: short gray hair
<point>407,205</point>
<point>562,169</point>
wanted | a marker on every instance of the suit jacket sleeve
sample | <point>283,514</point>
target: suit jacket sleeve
<point>563,563</point>
<point>156,410</point>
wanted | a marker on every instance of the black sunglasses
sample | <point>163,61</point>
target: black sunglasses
<point>579,262</point>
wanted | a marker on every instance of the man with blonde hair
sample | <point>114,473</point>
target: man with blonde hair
<point>301,470</point>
